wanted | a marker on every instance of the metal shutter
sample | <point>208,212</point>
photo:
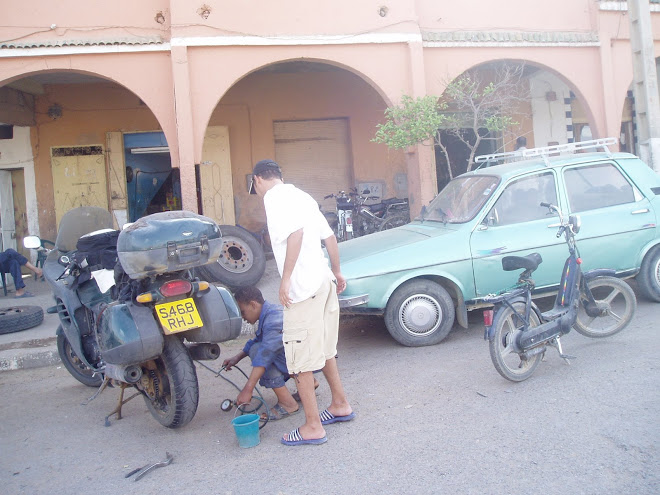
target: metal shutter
<point>315,156</point>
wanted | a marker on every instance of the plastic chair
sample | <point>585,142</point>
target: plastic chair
<point>42,254</point>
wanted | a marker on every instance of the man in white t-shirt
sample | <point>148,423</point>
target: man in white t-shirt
<point>308,292</point>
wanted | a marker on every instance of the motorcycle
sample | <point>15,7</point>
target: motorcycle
<point>343,225</point>
<point>376,217</point>
<point>128,299</point>
<point>595,303</point>
<point>355,217</point>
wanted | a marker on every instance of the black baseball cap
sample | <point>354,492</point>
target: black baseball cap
<point>260,167</point>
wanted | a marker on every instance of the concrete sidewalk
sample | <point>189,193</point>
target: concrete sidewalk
<point>37,346</point>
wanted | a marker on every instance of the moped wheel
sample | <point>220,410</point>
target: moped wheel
<point>394,221</point>
<point>79,370</point>
<point>170,382</point>
<point>503,351</point>
<point>616,303</point>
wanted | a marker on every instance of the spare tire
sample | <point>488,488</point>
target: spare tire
<point>242,261</point>
<point>17,318</point>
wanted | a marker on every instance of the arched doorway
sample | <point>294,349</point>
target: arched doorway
<point>317,120</point>
<point>493,104</point>
<point>74,126</point>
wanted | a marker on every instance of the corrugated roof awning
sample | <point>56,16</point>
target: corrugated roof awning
<point>142,40</point>
<point>511,37</point>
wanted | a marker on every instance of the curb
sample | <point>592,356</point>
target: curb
<point>17,359</point>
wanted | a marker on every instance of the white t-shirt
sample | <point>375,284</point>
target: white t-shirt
<point>289,209</point>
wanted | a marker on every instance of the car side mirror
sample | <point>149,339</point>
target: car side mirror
<point>493,218</point>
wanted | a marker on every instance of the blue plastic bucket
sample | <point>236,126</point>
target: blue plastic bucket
<point>247,430</point>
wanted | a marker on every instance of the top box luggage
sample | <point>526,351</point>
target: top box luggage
<point>167,242</point>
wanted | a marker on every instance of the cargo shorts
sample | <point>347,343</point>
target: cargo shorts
<point>311,330</point>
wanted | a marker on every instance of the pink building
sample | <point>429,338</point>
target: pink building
<point>165,104</point>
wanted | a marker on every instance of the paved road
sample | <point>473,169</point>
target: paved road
<point>430,420</point>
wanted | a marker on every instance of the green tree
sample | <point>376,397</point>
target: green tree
<point>478,100</point>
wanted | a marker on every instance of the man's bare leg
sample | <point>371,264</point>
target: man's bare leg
<point>312,429</point>
<point>38,271</point>
<point>339,405</point>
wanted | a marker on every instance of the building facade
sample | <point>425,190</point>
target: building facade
<point>165,104</point>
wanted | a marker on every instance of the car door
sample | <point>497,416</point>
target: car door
<point>517,225</point>
<point>617,220</point>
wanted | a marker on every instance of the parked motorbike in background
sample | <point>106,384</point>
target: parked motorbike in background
<point>355,216</point>
<point>383,215</point>
<point>127,299</point>
<point>343,225</point>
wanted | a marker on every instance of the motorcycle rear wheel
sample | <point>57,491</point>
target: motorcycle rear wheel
<point>616,299</point>
<point>506,360</point>
<point>174,381</point>
<point>74,365</point>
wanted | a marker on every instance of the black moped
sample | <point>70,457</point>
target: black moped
<point>596,303</point>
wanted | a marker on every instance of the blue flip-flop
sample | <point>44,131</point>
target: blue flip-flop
<point>295,438</point>
<point>327,418</point>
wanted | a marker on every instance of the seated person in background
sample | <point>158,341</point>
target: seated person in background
<point>11,262</point>
<point>266,351</point>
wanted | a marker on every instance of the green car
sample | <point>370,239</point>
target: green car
<point>426,274</point>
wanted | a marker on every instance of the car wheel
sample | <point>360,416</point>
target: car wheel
<point>420,312</point>
<point>242,261</point>
<point>649,275</point>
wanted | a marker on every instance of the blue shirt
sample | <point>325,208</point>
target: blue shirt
<point>269,334</point>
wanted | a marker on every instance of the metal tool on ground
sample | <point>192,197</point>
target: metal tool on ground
<point>142,472</point>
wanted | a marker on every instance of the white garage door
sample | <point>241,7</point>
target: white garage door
<point>315,156</point>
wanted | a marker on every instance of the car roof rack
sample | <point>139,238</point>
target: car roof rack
<point>545,152</point>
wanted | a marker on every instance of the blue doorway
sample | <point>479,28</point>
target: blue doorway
<point>152,185</point>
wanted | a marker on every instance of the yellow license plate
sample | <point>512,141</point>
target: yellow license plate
<point>178,316</point>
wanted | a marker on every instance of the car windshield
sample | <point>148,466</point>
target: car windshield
<point>461,199</point>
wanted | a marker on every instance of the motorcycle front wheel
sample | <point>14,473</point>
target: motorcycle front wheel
<point>171,384</point>
<point>507,361</point>
<point>617,304</point>
<point>76,368</point>
<point>393,221</point>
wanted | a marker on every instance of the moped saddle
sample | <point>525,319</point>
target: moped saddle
<point>530,262</point>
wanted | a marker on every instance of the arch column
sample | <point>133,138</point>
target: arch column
<point>184,152</point>
<point>420,159</point>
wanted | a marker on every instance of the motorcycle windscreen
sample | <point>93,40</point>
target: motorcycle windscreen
<point>80,221</point>
<point>128,334</point>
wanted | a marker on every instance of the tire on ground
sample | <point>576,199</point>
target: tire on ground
<point>420,312</point>
<point>242,261</point>
<point>17,318</point>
